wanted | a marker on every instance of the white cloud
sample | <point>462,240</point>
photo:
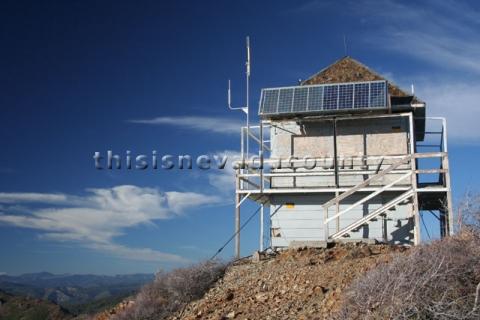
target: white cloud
<point>444,33</point>
<point>439,33</point>
<point>143,254</point>
<point>178,202</point>
<point>32,197</point>
<point>96,219</point>
<point>458,103</point>
<point>224,180</point>
<point>209,124</point>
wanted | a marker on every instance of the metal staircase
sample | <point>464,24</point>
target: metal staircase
<point>368,218</point>
<point>372,215</point>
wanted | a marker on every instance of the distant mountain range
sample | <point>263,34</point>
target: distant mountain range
<point>26,308</point>
<point>76,293</point>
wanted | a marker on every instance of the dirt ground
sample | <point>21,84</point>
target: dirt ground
<point>305,283</point>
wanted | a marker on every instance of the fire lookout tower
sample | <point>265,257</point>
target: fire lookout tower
<point>345,156</point>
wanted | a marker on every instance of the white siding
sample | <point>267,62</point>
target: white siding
<point>304,221</point>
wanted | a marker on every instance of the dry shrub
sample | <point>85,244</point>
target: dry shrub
<point>171,291</point>
<point>435,281</point>
<point>469,211</point>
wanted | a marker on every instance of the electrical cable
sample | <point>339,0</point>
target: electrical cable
<point>233,236</point>
<point>423,221</point>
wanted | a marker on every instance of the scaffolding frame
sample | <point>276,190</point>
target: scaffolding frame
<point>254,181</point>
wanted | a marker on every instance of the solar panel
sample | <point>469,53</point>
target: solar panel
<point>361,96</point>
<point>376,95</point>
<point>330,97</point>
<point>345,96</point>
<point>270,101</point>
<point>285,100</point>
<point>300,98</point>
<point>324,98</point>
<point>315,99</point>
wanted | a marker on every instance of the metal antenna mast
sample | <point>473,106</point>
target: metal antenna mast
<point>247,104</point>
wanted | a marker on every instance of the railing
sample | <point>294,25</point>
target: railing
<point>366,219</point>
<point>260,174</point>
<point>257,134</point>
<point>413,173</point>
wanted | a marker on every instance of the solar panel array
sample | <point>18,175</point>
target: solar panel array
<point>324,98</point>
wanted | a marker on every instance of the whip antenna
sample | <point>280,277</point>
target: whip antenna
<point>246,108</point>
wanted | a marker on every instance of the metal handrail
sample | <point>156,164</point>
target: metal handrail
<point>255,173</point>
<point>361,201</point>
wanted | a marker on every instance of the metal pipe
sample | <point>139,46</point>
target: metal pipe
<point>237,220</point>
<point>261,157</point>
<point>352,117</point>
<point>335,152</point>
<point>335,165</point>
<point>330,190</point>
<point>248,93</point>
<point>261,227</point>
<point>416,214</point>
<point>444,124</point>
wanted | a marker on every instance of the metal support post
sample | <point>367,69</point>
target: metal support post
<point>237,217</point>
<point>416,214</point>
<point>261,227</point>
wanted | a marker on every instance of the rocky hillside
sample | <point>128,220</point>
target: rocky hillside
<point>303,283</point>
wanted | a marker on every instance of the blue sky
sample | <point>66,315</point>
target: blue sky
<point>75,74</point>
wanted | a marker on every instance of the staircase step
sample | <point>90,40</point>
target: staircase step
<point>366,219</point>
